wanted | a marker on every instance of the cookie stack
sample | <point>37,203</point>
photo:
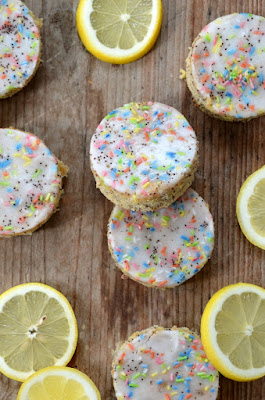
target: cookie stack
<point>144,157</point>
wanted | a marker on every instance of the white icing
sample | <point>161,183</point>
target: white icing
<point>166,247</point>
<point>19,45</point>
<point>30,182</point>
<point>141,151</point>
<point>239,56</point>
<point>151,366</point>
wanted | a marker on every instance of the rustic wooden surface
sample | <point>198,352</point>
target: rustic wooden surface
<point>70,94</point>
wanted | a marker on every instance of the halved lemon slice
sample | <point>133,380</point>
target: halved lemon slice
<point>37,329</point>
<point>60,383</point>
<point>233,331</point>
<point>119,31</point>
<point>250,208</point>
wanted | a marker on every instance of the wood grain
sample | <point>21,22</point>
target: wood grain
<point>70,94</point>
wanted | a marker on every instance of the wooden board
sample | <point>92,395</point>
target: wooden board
<point>68,97</point>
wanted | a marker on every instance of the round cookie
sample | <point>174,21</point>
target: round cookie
<point>30,182</point>
<point>20,46</point>
<point>159,363</point>
<point>225,69</point>
<point>163,248</point>
<point>144,156</point>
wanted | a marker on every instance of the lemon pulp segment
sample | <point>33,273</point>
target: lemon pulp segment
<point>57,387</point>
<point>256,208</point>
<point>240,327</point>
<point>122,25</point>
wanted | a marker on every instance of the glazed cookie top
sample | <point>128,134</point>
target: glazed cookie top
<point>166,247</point>
<point>228,65</point>
<point>19,45</point>
<point>158,364</point>
<point>30,182</point>
<point>143,149</point>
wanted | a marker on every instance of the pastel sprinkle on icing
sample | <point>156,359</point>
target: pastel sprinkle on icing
<point>19,45</point>
<point>143,149</point>
<point>228,65</point>
<point>30,182</point>
<point>166,247</point>
<point>164,364</point>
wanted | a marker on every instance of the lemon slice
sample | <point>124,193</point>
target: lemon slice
<point>60,383</point>
<point>250,208</point>
<point>119,31</point>
<point>37,329</point>
<point>233,331</point>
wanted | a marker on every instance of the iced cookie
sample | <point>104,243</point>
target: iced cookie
<point>20,46</point>
<point>144,156</point>
<point>225,68</point>
<point>163,248</point>
<point>30,182</point>
<point>160,363</point>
